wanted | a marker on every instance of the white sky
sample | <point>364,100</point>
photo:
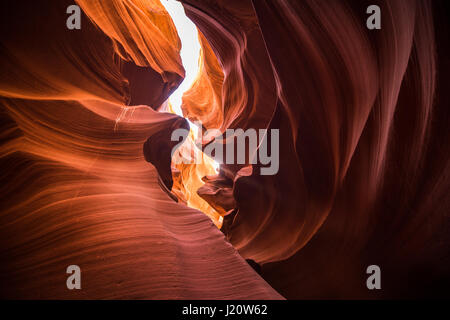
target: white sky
<point>190,53</point>
<point>190,50</point>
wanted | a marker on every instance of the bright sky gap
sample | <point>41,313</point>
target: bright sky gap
<point>190,54</point>
<point>190,50</point>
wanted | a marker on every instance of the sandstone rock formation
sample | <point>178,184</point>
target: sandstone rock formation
<point>364,156</point>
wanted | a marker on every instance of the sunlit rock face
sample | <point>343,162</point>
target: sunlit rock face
<point>76,189</point>
<point>203,101</point>
<point>186,177</point>
<point>87,176</point>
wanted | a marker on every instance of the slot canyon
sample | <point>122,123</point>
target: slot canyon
<point>88,176</point>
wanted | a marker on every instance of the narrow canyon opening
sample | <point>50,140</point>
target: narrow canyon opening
<point>187,177</point>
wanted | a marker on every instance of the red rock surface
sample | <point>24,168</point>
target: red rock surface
<point>75,186</point>
<point>363,155</point>
<point>363,179</point>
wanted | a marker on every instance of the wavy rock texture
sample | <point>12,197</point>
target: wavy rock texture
<point>203,101</point>
<point>363,179</point>
<point>75,188</point>
<point>363,155</point>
